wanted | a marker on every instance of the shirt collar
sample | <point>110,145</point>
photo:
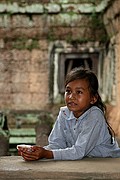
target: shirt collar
<point>68,115</point>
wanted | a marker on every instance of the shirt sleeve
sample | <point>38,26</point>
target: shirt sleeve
<point>86,141</point>
<point>56,138</point>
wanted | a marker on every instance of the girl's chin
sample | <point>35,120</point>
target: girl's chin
<point>71,108</point>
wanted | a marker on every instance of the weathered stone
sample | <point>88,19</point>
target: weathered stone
<point>4,135</point>
<point>112,19</point>
<point>14,167</point>
<point>43,128</point>
<point>33,35</point>
<point>4,145</point>
<point>52,8</point>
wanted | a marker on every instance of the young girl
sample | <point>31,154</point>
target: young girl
<point>81,129</point>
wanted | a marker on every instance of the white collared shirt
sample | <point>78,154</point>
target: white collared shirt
<point>72,139</point>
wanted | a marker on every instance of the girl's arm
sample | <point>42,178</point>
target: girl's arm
<point>56,141</point>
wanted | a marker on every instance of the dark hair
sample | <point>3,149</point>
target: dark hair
<point>81,73</point>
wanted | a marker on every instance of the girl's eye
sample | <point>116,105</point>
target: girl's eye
<point>68,91</point>
<point>79,92</point>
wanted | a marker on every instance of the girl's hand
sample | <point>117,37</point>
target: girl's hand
<point>34,153</point>
<point>21,146</point>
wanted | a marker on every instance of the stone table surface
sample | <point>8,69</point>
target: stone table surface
<point>15,168</point>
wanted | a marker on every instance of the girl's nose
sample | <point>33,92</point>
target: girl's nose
<point>72,96</point>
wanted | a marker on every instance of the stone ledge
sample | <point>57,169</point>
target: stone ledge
<point>53,7</point>
<point>15,168</point>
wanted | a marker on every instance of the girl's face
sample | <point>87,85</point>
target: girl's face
<point>77,96</point>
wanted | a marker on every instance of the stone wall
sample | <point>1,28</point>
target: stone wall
<point>27,30</point>
<point>112,23</point>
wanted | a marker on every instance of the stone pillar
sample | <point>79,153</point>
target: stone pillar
<point>4,145</point>
<point>43,128</point>
<point>4,135</point>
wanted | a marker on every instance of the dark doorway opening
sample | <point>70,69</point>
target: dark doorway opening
<point>68,61</point>
<point>77,62</point>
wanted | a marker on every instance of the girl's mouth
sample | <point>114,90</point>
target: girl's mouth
<point>71,104</point>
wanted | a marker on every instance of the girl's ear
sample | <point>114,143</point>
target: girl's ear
<point>94,99</point>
